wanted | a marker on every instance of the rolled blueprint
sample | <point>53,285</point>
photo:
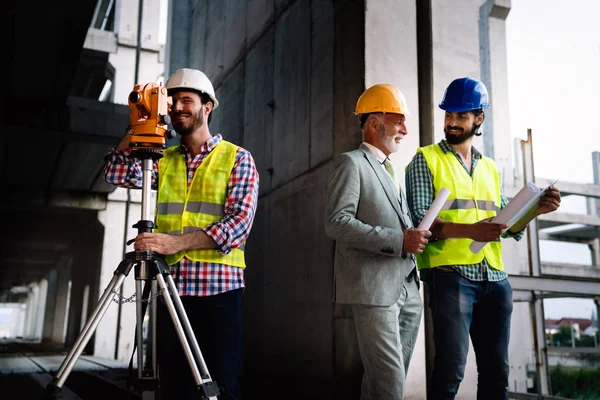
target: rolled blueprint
<point>520,205</point>
<point>434,209</point>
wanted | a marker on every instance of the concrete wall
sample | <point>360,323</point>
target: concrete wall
<point>276,69</point>
<point>287,75</point>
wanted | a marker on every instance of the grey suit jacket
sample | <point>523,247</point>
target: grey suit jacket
<point>366,217</point>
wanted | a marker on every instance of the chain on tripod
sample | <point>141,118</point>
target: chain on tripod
<point>120,299</point>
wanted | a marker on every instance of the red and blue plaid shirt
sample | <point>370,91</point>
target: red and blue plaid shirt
<point>202,278</point>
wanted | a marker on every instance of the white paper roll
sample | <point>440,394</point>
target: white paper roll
<point>434,209</point>
<point>527,197</point>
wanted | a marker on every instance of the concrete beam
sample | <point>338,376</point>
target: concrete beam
<point>571,270</point>
<point>100,40</point>
<point>571,188</point>
<point>565,286</point>
<point>559,218</point>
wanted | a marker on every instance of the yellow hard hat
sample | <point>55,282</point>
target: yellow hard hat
<point>382,98</point>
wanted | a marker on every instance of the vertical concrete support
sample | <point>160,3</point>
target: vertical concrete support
<point>42,299</point>
<point>455,51</point>
<point>85,273</point>
<point>492,34</point>
<point>49,310</point>
<point>349,83</point>
<point>114,335</point>
<point>178,35</point>
<point>31,312</point>
<point>391,57</point>
<point>63,286</point>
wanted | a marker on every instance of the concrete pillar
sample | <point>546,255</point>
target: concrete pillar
<point>42,298</point>
<point>30,313</point>
<point>86,250</point>
<point>63,289</point>
<point>492,33</point>
<point>115,333</point>
<point>50,307</point>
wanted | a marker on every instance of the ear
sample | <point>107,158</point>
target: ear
<point>479,119</point>
<point>373,123</point>
<point>208,107</point>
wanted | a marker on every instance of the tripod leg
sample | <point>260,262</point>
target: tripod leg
<point>188,328</point>
<point>139,328</point>
<point>209,388</point>
<point>87,331</point>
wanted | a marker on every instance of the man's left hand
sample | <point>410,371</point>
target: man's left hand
<point>160,243</point>
<point>550,201</point>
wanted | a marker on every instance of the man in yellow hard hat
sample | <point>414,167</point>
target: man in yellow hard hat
<point>207,198</point>
<point>374,268</point>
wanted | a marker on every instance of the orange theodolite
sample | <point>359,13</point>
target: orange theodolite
<point>149,107</point>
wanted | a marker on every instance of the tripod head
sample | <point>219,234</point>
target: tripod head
<point>149,107</point>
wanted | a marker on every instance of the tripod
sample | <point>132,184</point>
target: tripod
<point>154,271</point>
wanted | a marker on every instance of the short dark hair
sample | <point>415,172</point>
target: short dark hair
<point>477,112</point>
<point>204,98</point>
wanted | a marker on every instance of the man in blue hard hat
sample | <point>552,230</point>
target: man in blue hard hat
<point>469,293</point>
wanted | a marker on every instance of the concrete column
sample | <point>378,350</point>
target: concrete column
<point>42,298</point>
<point>114,335</point>
<point>391,57</point>
<point>49,309</point>
<point>492,34</point>
<point>30,313</point>
<point>86,250</point>
<point>63,288</point>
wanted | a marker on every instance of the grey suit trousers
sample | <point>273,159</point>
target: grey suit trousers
<point>386,338</point>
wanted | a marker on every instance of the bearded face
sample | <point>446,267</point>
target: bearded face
<point>186,122</point>
<point>457,135</point>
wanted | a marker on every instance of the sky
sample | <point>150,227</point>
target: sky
<point>553,55</point>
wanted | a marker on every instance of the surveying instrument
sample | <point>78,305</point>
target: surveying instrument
<point>149,105</point>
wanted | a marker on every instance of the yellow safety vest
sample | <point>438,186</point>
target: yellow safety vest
<point>471,199</point>
<point>181,210</point>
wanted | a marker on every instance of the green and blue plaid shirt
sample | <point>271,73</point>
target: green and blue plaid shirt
<point>421,193</point>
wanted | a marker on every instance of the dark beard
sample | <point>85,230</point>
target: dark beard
<point>198,121</point>
<point>465,135</point>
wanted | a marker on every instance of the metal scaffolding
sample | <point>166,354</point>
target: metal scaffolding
<point>543,280</point>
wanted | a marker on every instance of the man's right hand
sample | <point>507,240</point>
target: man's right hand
<point>415,241</point>
<point>486,231</point>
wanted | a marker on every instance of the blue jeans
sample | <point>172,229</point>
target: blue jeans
<point>217,324</point>
<point>461,307</point>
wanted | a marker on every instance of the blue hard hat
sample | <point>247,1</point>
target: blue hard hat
<point>465,94</point>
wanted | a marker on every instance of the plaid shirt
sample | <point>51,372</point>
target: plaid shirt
<point>203,278</point>
<point>421,193</point>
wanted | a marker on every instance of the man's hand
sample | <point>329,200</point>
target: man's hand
<point>415,241</point>
<point>549,202</point>
<point>157,242</point>
<point>486,231</point>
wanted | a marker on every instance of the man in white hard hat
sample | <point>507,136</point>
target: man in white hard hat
<point>207,198</point>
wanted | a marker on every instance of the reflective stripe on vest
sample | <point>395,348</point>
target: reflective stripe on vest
<point>471,199</point>
<point>181,210</point>
<point>463,204</point>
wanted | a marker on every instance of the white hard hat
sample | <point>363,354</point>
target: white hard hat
<point>187,78</point>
